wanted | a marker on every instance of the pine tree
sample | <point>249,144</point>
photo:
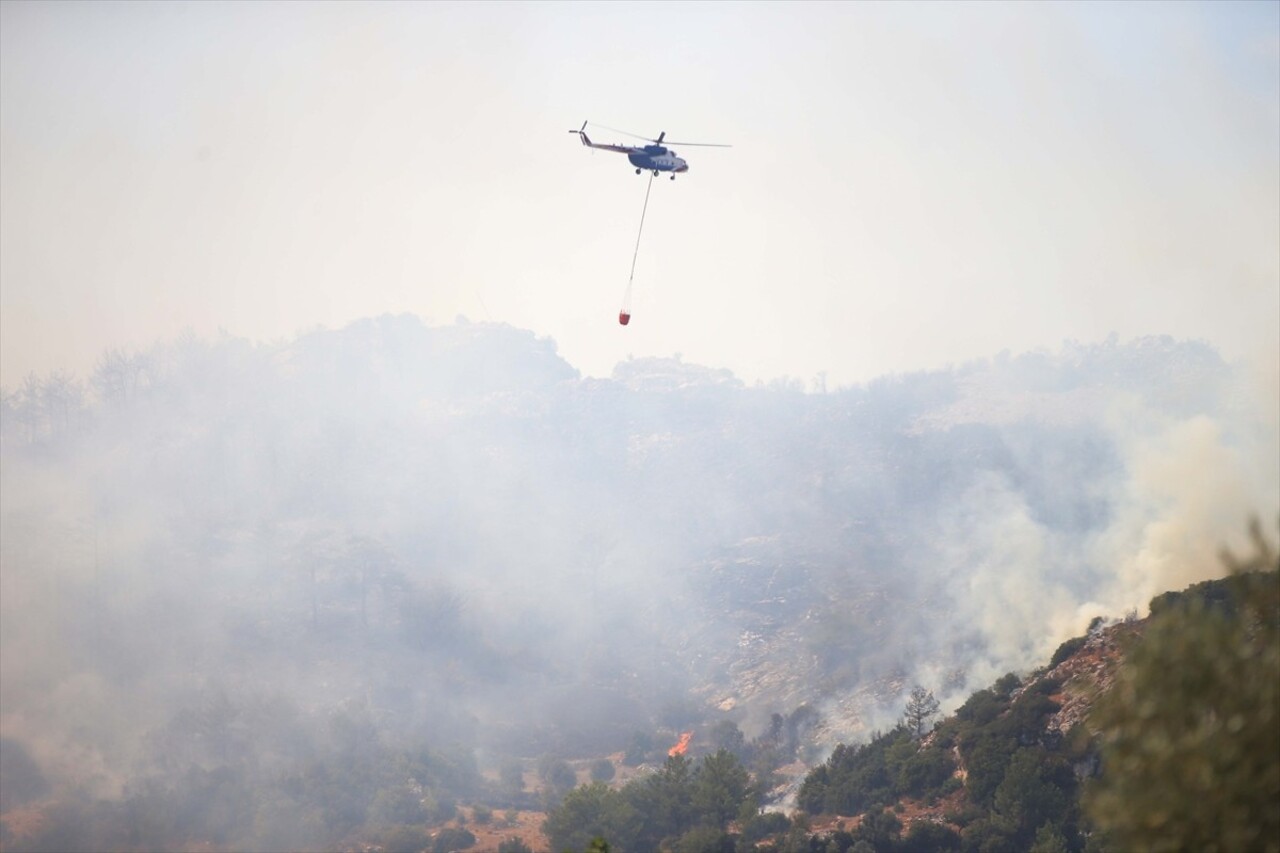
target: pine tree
<point>921,707</point>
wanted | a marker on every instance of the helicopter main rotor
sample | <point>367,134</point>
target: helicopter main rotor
<point>659,140</point>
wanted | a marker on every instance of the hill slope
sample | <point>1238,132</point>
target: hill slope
<point>442,546</point>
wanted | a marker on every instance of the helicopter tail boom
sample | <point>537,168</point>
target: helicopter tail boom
<point>586,140</point>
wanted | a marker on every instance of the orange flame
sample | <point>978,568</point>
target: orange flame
<point>681,745</point>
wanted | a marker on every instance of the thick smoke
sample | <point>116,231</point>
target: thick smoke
<point>1184,454</point>
<point>218,554</point>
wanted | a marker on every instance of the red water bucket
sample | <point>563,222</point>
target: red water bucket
<point>624,317</point>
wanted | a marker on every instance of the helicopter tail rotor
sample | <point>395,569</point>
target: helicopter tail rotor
<point>582,134</point>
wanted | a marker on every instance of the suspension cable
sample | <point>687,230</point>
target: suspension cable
<point>624,316</point>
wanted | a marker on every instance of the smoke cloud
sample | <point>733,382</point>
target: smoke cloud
<point>226,555</point>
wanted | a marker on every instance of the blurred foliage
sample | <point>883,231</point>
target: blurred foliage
<point>757,827</point>
<point>405,839</point>
<point>511,775</point>
<point>557,773</point>
<point>727,736</point>
<point>451,839</point>
<point>399,804</point>
<point>880,828</point>
<point>638,750</point>
<point>378,793</point>
<point>1191,745</point>
<point>705,839</point>
<point>927,835</point>
<point>602,770</point>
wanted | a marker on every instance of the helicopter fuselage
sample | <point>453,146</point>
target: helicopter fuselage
<point>657,158</point>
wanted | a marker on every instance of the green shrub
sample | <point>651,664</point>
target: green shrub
<point>602,770</point>
<point>760,826</point>
<point>452,839</point>
<point>1066,650</point>
<point>404,839</point>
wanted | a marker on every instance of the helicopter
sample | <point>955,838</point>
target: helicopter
<point>654,157</point>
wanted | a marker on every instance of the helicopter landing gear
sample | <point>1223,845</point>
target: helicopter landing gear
<point>673,177</point>
<point>637,171</point>
<point>655,173</point>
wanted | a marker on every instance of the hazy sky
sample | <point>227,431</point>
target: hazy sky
<point>910,185</point>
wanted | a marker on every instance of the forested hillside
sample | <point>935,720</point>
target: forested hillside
<point>1151,734</point>
<point>308,593</point>
<point>1144,734</point>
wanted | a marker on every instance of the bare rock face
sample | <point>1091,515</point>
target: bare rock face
<point>1088,674</point>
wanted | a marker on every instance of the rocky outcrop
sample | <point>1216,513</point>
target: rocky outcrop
<point>1089,673</point>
